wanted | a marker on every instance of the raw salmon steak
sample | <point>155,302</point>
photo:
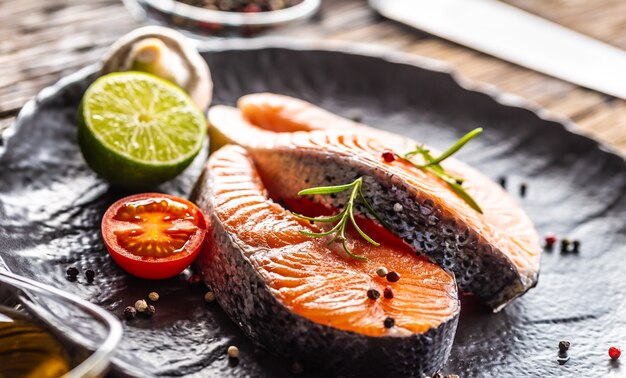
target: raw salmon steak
<point>296,145</point>
<point>301,298</point>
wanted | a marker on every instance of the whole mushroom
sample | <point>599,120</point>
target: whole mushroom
<point>165,53</point>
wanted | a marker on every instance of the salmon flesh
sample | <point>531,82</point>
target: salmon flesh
<point>303,298</point>
<point>296,145</point>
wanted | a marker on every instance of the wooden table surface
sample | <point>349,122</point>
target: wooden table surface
<point>40,41</point>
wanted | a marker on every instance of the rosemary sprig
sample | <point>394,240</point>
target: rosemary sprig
<point>433,165</point>
<point>346,215</point>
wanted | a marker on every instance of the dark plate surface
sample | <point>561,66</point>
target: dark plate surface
<point>51,205</point>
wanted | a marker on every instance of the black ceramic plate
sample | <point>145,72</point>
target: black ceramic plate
<point>51,205</point>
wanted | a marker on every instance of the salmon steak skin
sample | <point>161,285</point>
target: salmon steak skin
<point>296,145</point>
<point>304,299</point>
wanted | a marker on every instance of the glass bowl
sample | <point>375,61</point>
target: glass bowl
<point>89,333</point>
<point>202,22</point>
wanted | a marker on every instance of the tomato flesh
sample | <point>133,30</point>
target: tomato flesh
<point>153,235</point>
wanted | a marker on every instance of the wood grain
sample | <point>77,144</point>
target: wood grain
<point>40,41</point>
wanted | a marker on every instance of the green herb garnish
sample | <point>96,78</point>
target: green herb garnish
<point>433,165</point>
<point>347,214</point>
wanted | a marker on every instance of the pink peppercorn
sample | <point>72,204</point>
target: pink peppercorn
<point>388,292</point>
<point>388,156</point>
<point>550,239</point>
<point>614,353</point>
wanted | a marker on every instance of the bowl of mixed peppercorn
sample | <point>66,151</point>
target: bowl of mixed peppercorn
<point>224,17</point>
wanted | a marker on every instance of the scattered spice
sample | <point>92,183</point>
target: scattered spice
<point>209,296</point>
<point>90,274</point>
<point>522,190</point>
<point>393,276</point>
<point>382,271</point>
<point>389,156</point>
<point>389,322</point>
<point>296,368</point>
<point>388,292</point>
<point>397,207</point>
<point>575,246</point>
<point>141,305</point>
<point>564,346</point>
<point>565,245</point>
<point>614,353</point>
<point>550,239</point>
<point>502,181</point>
<point>233,351</point>
<point>150,310</point>
<point>72,273</point>
<point>373,294</point>
<point>153,296</point>
<point>130,313</point>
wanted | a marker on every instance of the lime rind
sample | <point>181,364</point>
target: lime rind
<point>131,110</point>
<point>137,130</point>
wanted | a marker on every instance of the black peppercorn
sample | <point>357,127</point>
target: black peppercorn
<point>575,246</point>
<point>150,310</point>
<point>373,294</point>
<point>90,274</point>
<point>565,245</point>
<point>563,346</point>
<point>522,190</point>
<point>502,182</point>
<point>389,322</point>
<point>130,313</point>
<point>72,273</point>
<point>393,276</point>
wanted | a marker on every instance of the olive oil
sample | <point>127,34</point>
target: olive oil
<point>27,349</point>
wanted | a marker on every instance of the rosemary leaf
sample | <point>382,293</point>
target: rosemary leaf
<point>433,165</point>
<point>347,250</point>
<point>339,230</point>
<point>363,234</point>
<point>325,189</point>
<point>458,189</point>
<point>332,218</point>
<point>457,146</point>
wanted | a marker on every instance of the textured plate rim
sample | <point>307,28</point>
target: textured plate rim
<point>357,49</point>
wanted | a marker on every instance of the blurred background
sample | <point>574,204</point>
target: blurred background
<point>40,41</point>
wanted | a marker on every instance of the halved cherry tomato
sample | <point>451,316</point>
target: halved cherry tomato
<point>153,235</point>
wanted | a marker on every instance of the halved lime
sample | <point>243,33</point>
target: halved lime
<point>137,130</point>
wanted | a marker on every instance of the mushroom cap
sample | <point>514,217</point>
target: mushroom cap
<point>198,83</point>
